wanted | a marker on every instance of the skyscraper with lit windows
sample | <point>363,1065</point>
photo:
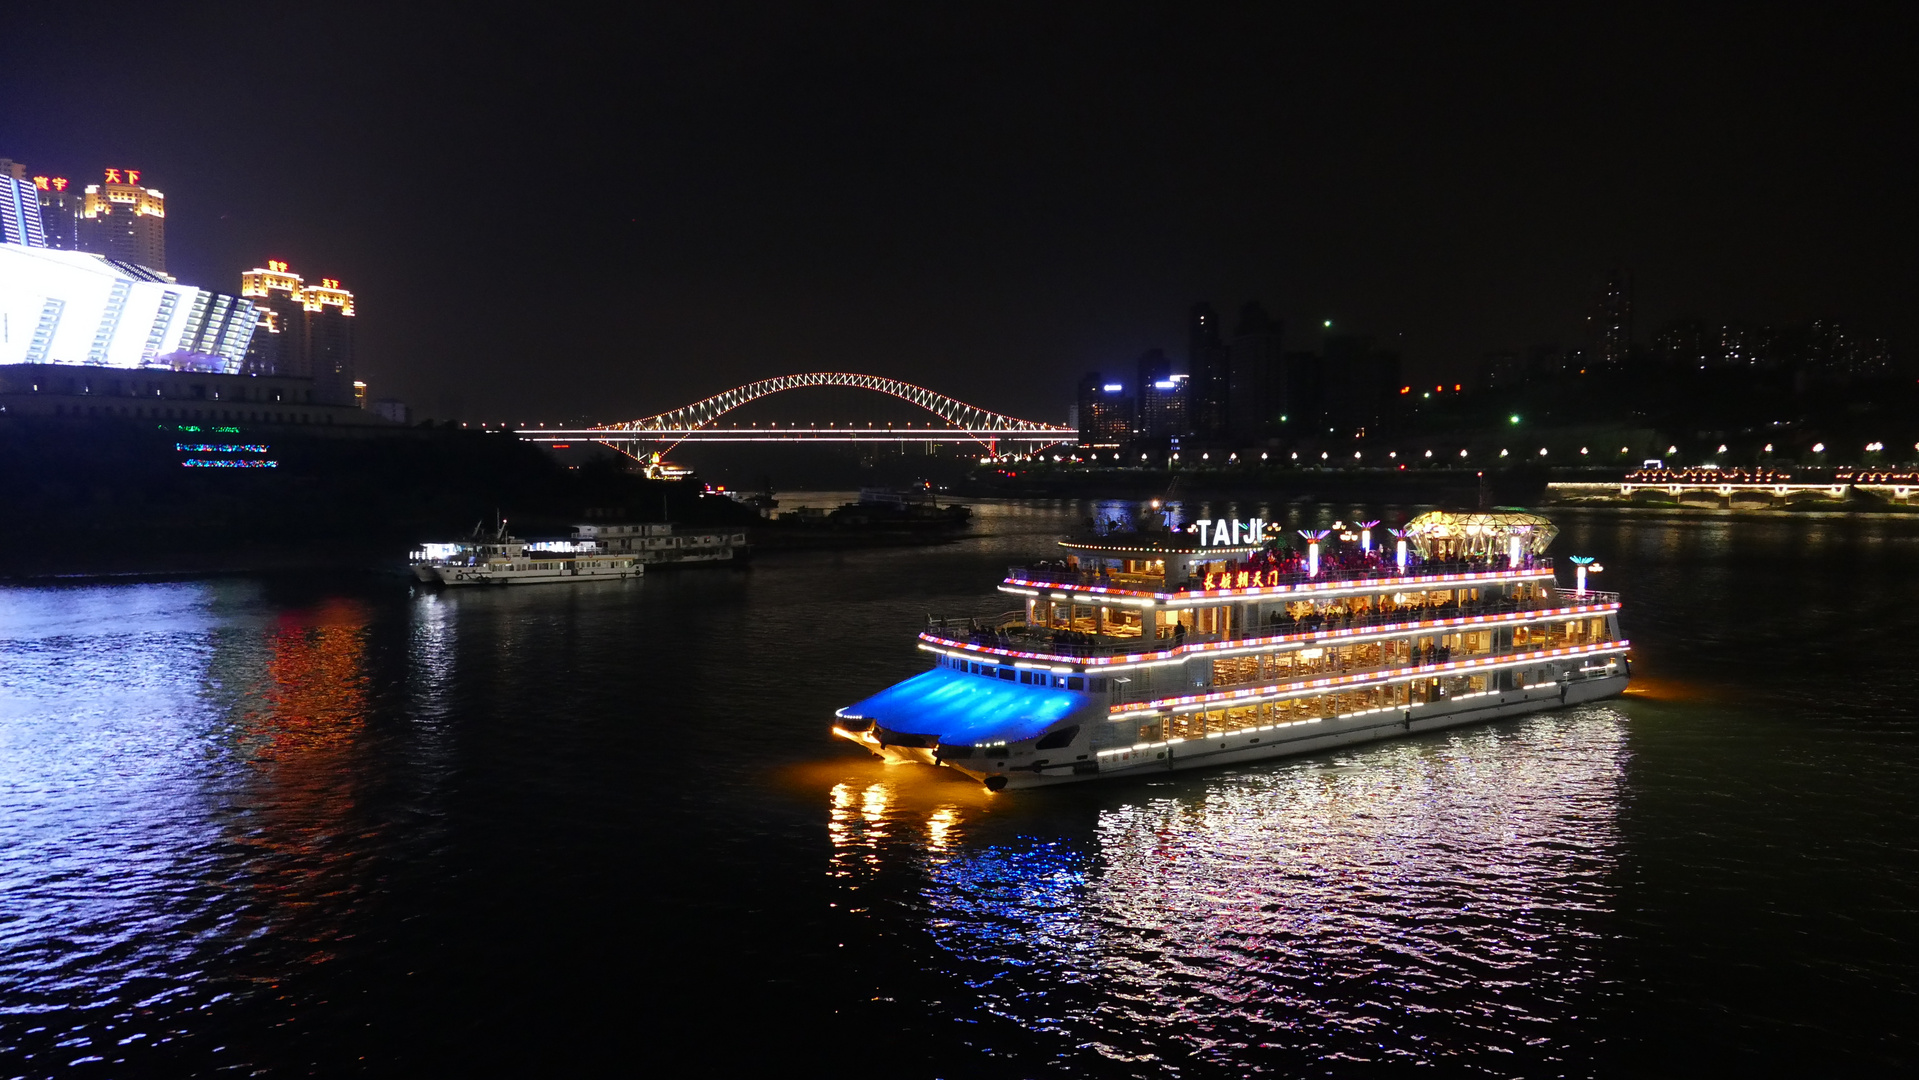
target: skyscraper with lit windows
<point>122,219</point>
<point>305,329</point>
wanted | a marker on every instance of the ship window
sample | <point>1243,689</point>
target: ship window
<point>1026,678</point>
<point>1006,673</point>
<point>1075,682</point>
<point>1098,685</point>
<point>1062,737</point>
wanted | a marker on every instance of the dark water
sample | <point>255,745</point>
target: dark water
<point>286,826</point>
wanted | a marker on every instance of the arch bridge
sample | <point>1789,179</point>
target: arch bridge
<point>697,422</point>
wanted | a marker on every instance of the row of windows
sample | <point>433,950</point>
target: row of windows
<point>1026,676</point>
<point>186,414</point>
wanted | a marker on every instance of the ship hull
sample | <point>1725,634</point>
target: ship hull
<point>460,577</point>
<point>1255,745</point>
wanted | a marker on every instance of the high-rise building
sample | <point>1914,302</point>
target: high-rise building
<point>124,220</point>
<point>60,211</point>
<point>279,343</point>
<point>1207,362</point>
<point>1162,408</point>
<point>1256,382</point>
<point>1105,412</point>
<point>1361,384</point>
<point>1160,398</point>
<point>305,330</point>
<point>1611,320</point>
<point>1500,371</point>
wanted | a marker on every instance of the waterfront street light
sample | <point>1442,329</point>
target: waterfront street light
<point>1584,564</point>
<point>1366,534</point>
<point>1400,556</point>
<point>1313,537</point>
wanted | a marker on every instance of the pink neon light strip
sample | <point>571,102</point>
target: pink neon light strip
<point>1451,668</point>
<point>1280,590</point>
<point>1090,662</point>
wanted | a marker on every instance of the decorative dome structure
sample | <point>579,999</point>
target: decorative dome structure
<point>1442,534</point>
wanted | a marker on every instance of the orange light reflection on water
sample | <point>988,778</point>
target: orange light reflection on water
<point>299,727</point>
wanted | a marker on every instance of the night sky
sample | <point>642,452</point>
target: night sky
<point>553,213</point>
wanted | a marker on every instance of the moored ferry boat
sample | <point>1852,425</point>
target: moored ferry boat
<point>666,545</point>
<point>1154,649</point>
<point>502,559</point>
<point>594,551</point>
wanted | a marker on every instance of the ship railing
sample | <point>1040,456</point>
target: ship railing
<point>1011,631</point>
<point>1565,596</point>
<point>1323,668</point>
<point>1384,569</point>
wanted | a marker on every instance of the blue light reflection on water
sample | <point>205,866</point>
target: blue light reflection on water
<point>169,798</point>
<point>1440,900</point>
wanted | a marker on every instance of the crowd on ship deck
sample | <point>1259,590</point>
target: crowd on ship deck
<point>1291,567</point>
<point>1284,566</point>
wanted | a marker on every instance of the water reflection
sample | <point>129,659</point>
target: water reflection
<point>176,767</point>
<point>1436,900</point>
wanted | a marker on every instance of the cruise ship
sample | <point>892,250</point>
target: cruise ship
<point>1151,649</point>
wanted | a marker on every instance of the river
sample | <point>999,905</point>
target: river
<point>292,825</point>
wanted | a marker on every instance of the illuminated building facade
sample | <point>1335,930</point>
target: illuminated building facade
<point>123,220</point>
<point>1162,407</point>
<point>1105,412</point>
<point>71,307</point>
<point>306,330</point>
<point>20,213</point>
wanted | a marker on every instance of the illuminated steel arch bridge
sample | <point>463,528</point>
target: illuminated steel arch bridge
<point>696,422</point>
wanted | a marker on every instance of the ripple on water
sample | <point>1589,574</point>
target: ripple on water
<point>1439,899</point>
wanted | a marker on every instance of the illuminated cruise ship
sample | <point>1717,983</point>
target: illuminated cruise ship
<point>1149,650</point>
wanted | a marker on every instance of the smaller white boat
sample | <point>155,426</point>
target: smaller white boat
<point>663,545</point>
<point>502,559</point>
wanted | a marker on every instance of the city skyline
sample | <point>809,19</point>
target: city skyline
<point>785,215</point>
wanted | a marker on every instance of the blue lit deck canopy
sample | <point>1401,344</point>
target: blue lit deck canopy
<point>964,709</point>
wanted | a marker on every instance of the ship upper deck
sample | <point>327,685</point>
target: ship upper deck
<point>1209,579</point>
